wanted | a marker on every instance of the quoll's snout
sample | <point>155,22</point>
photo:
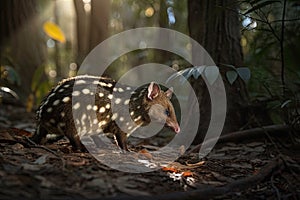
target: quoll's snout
<point>55,115</point>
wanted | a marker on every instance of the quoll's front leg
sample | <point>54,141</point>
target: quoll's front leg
<point>39,135</point>
<point>121,139</point>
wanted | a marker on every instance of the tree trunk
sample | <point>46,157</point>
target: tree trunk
<point>217,29</point>
<point>99,22</point>
<point>82,31</point>
<point>20,31</point>
<point>92,26</point>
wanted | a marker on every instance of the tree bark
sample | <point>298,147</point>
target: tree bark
<point>99,22</point>
<point>82,31</point>
<point>217,29</point>
<point>21,32</point>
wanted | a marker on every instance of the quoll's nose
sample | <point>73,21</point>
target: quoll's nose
<point>177,129</point>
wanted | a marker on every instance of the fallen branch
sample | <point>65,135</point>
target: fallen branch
<point>244,135</point>
<point>208,192</point>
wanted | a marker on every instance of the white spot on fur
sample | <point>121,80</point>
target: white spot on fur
<point>95,121</point>
<point>66,86</point>
<point>102,110</point>
<point>89,107</point>
<point>121,119</point>
<point>120,90</point>
<point>52,121</point>
<point>117,101</point>
<point>51,95</point>
<point>138,107</point>
<point>61,124</point>
<point>62,114</point>
<point>86,91</point>
<point>109,85</point>
<point>101,94</point>
<point>76,105</point>
<point>75,93</point>
<point>110,96</point>
<point>107,106</point>
<point>102,123</point>
<point>56,102</point>
<point>83,117</point>
<point>138,118</point>
<point>95,108</point>
<point>79,82</point>
<point>66,99</point>
<point>114,116</point>
<point>126,102</point>
<point>96,82</point>
<point>132,113</point>
<point>115,89</point>
<point>61,90</point>
<point>128,88</point>
<point>49,110</point>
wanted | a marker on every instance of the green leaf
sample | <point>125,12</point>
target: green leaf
<point>183,74</point>
<point>230,66</point>
<point>37,78</point>
<point>9,74</point>
<point>187,73</point>
<point>244,73</point>
<point>285,103</point>
<point>211,74</point>
<point>198,71</point>
<point>260,5</point>
<point>231,76</point>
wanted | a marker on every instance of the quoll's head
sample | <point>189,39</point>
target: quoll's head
<point>161,109</point>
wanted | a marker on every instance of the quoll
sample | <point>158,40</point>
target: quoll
<point>55,116</point>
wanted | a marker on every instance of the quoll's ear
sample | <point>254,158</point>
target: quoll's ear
<point>169,92</point>
<point>153,90</point>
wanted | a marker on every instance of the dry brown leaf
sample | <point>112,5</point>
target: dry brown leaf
<point>169,169</point>
<point>187,174</point>
<point>146,153</point>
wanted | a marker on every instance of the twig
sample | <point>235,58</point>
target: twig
<point>34,145</point>
<point>250,133</point>
<point>275,188</point>
<point>282,47</point>
<point>208,192</point>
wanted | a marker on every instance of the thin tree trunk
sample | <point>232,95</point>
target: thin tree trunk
<point>99,22</point>
<point>82,31</point>
<point>217,30</point>
<point>20,31</point>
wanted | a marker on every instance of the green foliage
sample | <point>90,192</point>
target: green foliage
<point>39,85</point>
<point>9,75</point>
<point>211,73</point>
<point>271,49</point>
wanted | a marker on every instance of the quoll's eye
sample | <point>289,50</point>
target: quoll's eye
<point>167,112</point>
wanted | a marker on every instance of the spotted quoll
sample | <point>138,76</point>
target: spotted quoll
<point>55,114</point>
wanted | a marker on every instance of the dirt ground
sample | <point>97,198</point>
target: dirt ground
<point>264,167</point>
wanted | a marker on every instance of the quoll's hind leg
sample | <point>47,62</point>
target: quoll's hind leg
<point>40,134</point>
<point>76,143</point>
<point>121,139</point>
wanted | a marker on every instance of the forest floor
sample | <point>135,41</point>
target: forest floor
<point>264,167</point>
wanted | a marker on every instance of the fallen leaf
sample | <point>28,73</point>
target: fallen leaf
<point>30,167</point>
<point>146,153</point>
<point>54,31</point>
<point>169,169</point>
<point>187,174</point>
<point>41,160</point>
<point>196,164</point>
